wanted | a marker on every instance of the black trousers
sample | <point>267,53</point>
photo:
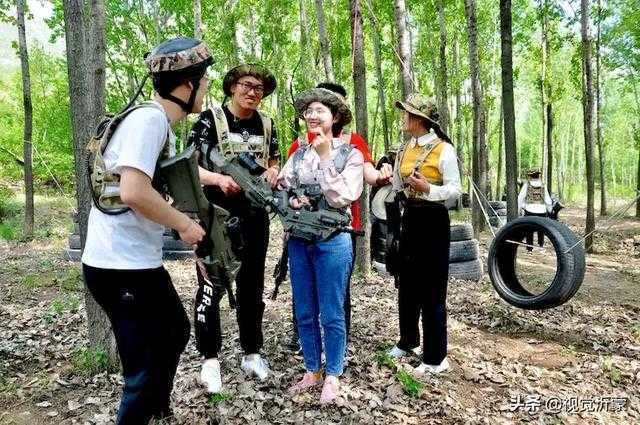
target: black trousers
<point>424,249</point>
<point>151,329</point>
<point>249,290</point>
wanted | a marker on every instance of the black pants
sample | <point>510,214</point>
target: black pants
<point>347,298</point>
<point>424,249</point>
<point>249,291</point>
<point>151,330</point>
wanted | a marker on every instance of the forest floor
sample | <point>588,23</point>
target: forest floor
<point>577,364</point>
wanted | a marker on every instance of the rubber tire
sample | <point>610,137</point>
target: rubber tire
<point>461,232</point>
<point>502,263</point>
<point>170,244</point>
<point>460,251</point>
<point>466,270</point>
<point>74,241</point>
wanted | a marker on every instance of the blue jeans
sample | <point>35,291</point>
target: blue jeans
<point>319,275</point>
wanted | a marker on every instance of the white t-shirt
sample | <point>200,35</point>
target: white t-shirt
<point>129,241</point>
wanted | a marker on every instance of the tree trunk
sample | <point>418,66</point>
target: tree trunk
<point>549,140</point>
<point>603,196</point>
<point>379,77</point>
<point>28,122</point>
<point>363,260</point>
<point>478,157</point>
<point>324,42</point>
<point>197,19</point>
<point>508,110</point>
<point>85,66</point>
<point>587,101</point>
<point>638,179</point>
<point>404,48</point>
<point>441,89</point>
<point>499,169</point>
<point>543,85</point>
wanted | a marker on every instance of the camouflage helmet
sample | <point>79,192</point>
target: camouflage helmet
<point>254,70</point>
<point>179,54</point>
<point>421,106</point>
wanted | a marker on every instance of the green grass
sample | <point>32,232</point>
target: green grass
<point>216,399</point>
<point>411,386</point>
<point>611,370</point>
<point>89,362</point>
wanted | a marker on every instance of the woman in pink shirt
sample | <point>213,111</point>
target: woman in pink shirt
<point>324,173</point>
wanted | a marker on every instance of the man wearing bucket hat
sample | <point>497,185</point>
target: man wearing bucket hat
<point>425,176</point>
<point>236,128</point>
<point>122,259</point>
<point>327,174</point>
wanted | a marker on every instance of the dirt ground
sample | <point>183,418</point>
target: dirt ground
<point>575,364</point>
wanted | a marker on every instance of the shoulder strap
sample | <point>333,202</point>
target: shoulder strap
<point>340,160</point>
<point>117,120</point>
<point>425,153</point>
<point>266,127</point>
<point>222,126</point>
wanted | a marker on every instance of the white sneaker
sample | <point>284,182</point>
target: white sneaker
<point>435,369</point>
<point>397,353</point>
<point>254,364</point>
<point>210,376</point>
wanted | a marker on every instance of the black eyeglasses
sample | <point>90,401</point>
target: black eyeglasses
<point>247,87</point>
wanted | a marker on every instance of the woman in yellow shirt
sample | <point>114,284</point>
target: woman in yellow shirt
<point>426,170</point>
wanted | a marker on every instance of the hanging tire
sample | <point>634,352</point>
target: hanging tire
<point>569,271</point>
<point>461,232</point>
<point>460,251</point>
<point>466,270</point>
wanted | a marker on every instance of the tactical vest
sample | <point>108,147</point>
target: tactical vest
<point>314,191</point>
<point>105,184</point>
<point>535,195</point>
<point>402,169</point>
<point>232,144</point>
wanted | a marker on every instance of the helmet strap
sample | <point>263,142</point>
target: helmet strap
<point>188,105</point>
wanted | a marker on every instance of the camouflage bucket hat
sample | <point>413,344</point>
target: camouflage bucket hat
<point>254,70</point>
<point>421,106</point>
<point>326,97</point>
<point>178,54</point>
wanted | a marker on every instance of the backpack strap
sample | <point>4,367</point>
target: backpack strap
<point>267,127</point>
<point>340,160</point>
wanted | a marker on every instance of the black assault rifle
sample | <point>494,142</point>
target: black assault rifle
<point>222,243</point>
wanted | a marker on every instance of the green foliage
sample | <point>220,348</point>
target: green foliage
<point>51,123</point>
<point>89,362</point>
<point>271,32</point>
<point>216,399</point>
<point>410,385</point>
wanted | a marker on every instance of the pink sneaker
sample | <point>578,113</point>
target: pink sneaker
<point>330,390</point>
<point>308,381</point>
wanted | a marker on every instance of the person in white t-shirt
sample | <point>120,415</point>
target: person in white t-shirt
<point>122,259</point>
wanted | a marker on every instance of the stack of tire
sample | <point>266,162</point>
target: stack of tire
<point>464,253</point>
<point>172,249</point>
<point>497,213</point>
